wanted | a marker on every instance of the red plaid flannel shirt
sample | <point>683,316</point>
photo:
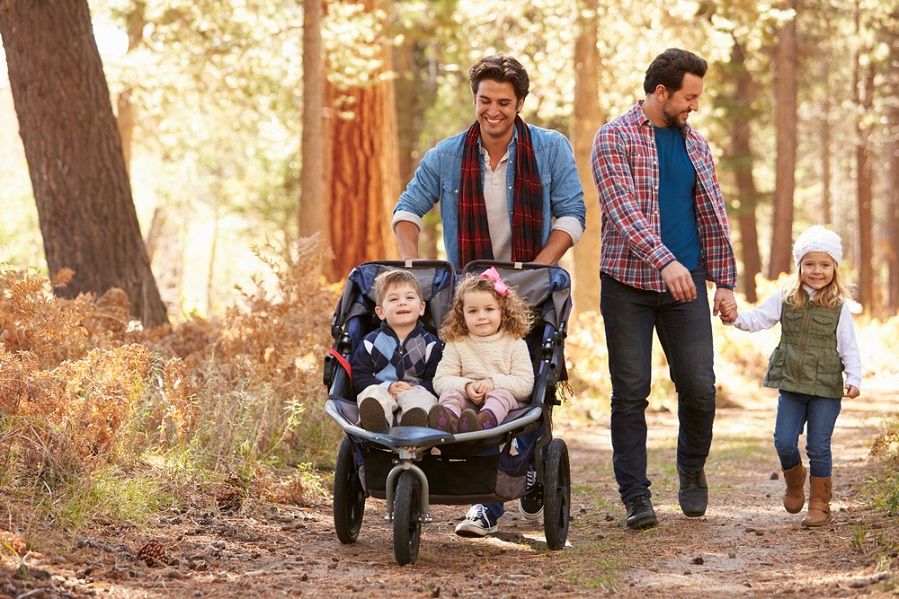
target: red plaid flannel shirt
<point>626,172</point>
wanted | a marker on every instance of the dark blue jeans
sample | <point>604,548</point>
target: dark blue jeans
<point>794,410</point>
<point>685,331</point>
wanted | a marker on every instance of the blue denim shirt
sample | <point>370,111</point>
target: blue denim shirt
<point>437,179</point>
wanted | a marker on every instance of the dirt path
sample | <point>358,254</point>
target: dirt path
<point>746,545</point>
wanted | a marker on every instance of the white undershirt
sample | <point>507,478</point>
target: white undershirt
<point>499,220</point>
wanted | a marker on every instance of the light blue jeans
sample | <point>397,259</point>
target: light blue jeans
<point>794,410</point>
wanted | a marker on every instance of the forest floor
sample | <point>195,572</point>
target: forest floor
<point>746,545</point>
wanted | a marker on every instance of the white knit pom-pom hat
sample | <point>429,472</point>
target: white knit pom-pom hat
<point>818,239</point>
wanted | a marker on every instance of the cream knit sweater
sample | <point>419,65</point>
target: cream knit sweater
<point>499,357</point>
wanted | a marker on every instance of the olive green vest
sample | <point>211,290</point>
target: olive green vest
<point>806,359</point>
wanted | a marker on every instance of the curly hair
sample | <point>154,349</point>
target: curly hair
<point>516,319</point>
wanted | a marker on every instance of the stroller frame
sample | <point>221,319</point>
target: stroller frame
<point>407,490</point>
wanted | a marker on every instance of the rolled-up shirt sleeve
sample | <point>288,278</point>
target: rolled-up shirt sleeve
<point>570,225</point>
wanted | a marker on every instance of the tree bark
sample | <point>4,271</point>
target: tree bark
<point>740,122</point>
<point>826,174</point>
<point>414,92</point>
<point>364,170</point>
<point>74,153</point>
<point>587,119</point>
<point>313,198</point>
<point>893,147</point>
<point>863,95</point>
<point>785,165</point>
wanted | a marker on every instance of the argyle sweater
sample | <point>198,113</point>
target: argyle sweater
<point>381,359</point>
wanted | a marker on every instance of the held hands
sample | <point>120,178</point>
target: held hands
<point>851,391</point>
<point>679,282</point>
<point>398,387</point>
<point>725,306</point>
<point>477,390</point>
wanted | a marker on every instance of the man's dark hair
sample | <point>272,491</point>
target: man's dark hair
<point>504,69</point>
<point>668,69</point>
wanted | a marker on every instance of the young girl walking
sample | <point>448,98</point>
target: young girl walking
<point>817,345</point>
<point>486,369</point>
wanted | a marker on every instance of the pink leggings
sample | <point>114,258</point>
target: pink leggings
<point>498,401</point>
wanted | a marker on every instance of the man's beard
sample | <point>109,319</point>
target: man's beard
<point>671,120</point>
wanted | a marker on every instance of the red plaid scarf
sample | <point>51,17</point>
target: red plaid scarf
<point>527,202</point>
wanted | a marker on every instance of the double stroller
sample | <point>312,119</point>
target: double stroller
<point>412,467</point>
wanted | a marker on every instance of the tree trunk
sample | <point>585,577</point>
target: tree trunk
<point>313,198</point>
<point>893,147</point>
<point>740,121</point>
<point>863,92</point>
<point>74,153</point>
<point>414,93</point>
<point>785,165</point>
<point>364,170</point>
<point>587,119</point>
<point>125,123</point>
<point>826,175</point>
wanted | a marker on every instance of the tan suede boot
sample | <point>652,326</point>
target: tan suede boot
<point>818,502</point>
<point>794,496</point>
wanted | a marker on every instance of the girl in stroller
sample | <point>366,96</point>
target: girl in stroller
<point>486,368</point>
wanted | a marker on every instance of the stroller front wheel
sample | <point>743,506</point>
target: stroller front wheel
<point>349,496</point>
<point>407,519</point>
<point>556,494</point>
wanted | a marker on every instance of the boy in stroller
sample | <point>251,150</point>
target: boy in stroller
<point>394,365</point>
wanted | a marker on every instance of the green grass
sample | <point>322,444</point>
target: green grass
<point>108,495</point>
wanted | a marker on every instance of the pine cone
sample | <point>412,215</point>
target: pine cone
<point>153,554</point>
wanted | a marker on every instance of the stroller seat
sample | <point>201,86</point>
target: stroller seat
<point>411,467</point>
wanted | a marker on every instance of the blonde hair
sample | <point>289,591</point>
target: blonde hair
<point>830,296</point>
<point>393,278</point>
<point>516,319</point>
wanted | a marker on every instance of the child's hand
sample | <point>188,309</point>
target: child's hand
<point>728,311</point>
<point>398,387</point>
<point>484,386</point>
<point>851,392</point>
<point>474,395</point>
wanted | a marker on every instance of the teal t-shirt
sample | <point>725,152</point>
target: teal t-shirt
<point>677,189</point>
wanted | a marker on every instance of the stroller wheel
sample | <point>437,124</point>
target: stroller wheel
<point>349,497</point>
<point>407,519</point>
<point>556,494</point>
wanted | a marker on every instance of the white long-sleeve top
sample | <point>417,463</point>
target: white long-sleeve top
<point>768,314</point>
<point>499,357</point>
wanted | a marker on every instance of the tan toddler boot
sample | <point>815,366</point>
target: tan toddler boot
<point>818,501</point>
<point>794,496</point>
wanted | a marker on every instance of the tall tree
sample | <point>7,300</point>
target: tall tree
<point>863,95</point>
<point>74,153</point>
<point>740,160</point>
<point>363,162</point>
<point>785,163</point>
<point>313,200</point>
<point>587,119</point>
<point>893,149</point>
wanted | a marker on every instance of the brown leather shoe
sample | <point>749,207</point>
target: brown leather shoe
<point>794,496</point>
<point>818,502</point>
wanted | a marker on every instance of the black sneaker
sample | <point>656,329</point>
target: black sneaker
<point>531,504</point>
<point>477,523</point>
<point>640,513</point>
<point>694,493</point>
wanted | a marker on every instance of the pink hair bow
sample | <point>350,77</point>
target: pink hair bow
<point>491,275</point>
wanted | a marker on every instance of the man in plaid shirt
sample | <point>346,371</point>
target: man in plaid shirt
<point>664,233</point>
